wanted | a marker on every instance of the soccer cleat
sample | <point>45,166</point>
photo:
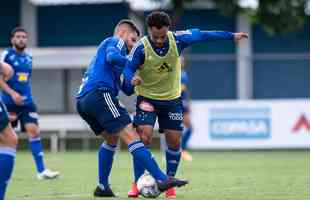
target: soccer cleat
<point>47,174</point>
<point>133,192</point>
<point>170,183</point>
<point>107,192</point>
<point>171,193</point>
<point>186,156</point>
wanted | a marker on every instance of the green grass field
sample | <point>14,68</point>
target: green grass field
<point>237,175</point>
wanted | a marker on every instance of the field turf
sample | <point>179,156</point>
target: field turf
<point>226,175</point>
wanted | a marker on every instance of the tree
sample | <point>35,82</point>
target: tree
<point>276,16</point>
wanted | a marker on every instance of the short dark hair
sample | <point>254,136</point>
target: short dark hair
<point>131,24</point>
<point>17,29</point>
<point>158,19</point>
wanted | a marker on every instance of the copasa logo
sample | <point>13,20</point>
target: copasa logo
<point>302,124</point>
<point>240,123</point>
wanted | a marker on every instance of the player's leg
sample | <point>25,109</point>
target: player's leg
<point>139,152</point>
<point>144,119</point>
<point>170,120</point>
<point>8,144</point>
<point>29,124</point>
<point>94,109</point>
<point>187,132</point>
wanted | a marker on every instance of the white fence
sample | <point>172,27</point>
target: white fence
<point>260,124</point>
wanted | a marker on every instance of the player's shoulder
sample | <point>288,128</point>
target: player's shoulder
<point>115,41</point>
<point>137,49</point>
<point>6,53</point>
<point>28,54</point>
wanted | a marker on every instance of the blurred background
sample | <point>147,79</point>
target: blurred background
<point>251,95</point>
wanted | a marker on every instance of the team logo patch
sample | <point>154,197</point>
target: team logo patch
<point>146,106</point>
<point>22,77</point>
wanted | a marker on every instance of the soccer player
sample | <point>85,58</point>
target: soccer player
<point>156,58</point>
<point>8,142</point>
<point>187,127</point>
<point>98,105</point>
<point>17,97</point>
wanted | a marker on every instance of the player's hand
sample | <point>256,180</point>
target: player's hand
<point>12,117</point>
<point>136,80</point>
<point>17,98</point>
<point>240,36</point>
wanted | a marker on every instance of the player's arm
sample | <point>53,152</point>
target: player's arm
<point>6,70</point>
<point>6,73</point>
<point>114,53</point>
<point>17,98</point>
<point>192,36</point>
<point>135,60</point>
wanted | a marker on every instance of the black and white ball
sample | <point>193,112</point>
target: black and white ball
<point>147,186</point>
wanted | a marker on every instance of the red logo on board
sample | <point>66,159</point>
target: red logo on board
<point>302,124</point>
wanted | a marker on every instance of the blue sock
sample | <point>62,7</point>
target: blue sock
<point>37,153</point>
<point>185,138</point>
<point>138,168</point>
<point>143,156</point>
<point>7,157</point>
<point>172,160</point>
<point>105,161</point>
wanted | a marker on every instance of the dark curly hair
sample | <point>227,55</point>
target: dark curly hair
<point>158,19</point>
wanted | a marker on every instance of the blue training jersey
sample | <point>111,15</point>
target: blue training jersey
<point>183,40</point>
<point>184,81</point>
<point>106,67</point>
<point>21,80</point>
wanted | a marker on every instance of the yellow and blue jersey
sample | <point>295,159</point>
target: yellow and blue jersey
<point>21,80</point>
<point>106,67</point>
<point>182,40</point>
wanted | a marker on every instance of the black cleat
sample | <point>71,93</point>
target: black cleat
<point>103,193</point>
<point>170,183</point>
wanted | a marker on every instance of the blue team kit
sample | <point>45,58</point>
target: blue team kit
<point>20,82</point>
<point>97,103</point>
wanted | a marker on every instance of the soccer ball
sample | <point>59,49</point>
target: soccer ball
<point>147,186</point>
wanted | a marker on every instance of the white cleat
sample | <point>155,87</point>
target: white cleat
<point>47,174</point>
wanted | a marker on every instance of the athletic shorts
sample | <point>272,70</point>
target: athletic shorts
<point>169,113</point>
<point>24,114</point>
<point>4,118</point>
<point>102,111</point>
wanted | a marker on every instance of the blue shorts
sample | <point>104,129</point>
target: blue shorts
<point>169,113</point>
<point>4,118</point>
<point>25,114</point>
<point>102,111</point>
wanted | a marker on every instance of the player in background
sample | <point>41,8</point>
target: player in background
<point>16,95</point>
<point>98,105</point>
<point>8,140</point>
<point>187,126</point>
<point>158,85</point>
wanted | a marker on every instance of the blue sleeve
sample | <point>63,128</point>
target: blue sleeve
<point>135,60</point>
<point>114,53</point>
<point>192,36</point>
<point>184,78</point>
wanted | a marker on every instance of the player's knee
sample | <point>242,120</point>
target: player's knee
<point>14,140</point>
<point>10,139</point>
<point>146,139</point>
<point>33,131</point>
<point>174,145</point>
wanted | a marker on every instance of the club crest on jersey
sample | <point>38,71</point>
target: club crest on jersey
<point>22,77</point>
<point>146,106</point>
<point>164,68</point>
